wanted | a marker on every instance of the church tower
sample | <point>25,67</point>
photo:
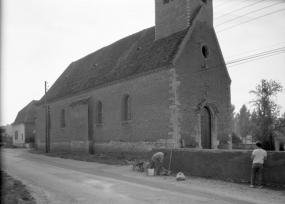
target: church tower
<point>172,16</point>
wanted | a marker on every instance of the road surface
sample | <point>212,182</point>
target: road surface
<point>56,180</point>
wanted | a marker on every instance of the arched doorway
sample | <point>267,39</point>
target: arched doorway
<point>205,128</point>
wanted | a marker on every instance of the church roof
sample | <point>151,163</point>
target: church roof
<point>129,56</point>
<point>27,114</point>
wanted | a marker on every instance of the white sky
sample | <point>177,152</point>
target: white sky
<point>40,38</point>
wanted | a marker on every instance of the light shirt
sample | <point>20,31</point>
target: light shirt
<point>259,155</point>
<point>159,156</point>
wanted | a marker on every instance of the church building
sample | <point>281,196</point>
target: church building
<point>164,87</point>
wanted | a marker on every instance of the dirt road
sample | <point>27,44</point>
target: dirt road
<point>56,180</point>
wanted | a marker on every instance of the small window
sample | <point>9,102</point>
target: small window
<point>99,113</point>
<point>205,51</point>
<point>16,135</point>
<point>22,137</point>
<point>127,108</point>
<point>62,118</point>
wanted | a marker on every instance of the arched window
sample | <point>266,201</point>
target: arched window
<point>16,135</point>
<point>62,118</point>
<point>99,113</point>
<point>127,108</point>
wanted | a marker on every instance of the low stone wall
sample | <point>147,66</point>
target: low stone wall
<point>73,146</point>
<point>81,147</point>
<point>128,146</point>
<point>244,146</point>
<point>60,146</point>
<point>119,147</point>
<point>224,164</point>
<point>129,150</point>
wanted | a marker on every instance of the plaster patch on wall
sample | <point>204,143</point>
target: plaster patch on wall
<point>175,114</point>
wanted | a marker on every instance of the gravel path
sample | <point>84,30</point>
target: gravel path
<point>265,195</point>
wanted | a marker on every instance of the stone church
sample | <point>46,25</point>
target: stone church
<point>164,87</point>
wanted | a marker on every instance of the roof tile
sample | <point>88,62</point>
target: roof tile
<point>27,114</point>
<point>116,61</point>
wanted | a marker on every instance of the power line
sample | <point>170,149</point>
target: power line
<point>221,66</point>
<point>249,13</point>
<point>256,49</point>
<point>233,5</point>
<point>239,9</point>
<point>223,4</point>
<point>259,54</point>
<point>239,61</point>
<point>246,59</point>
<point>257,59</point>
<point>251,20</point>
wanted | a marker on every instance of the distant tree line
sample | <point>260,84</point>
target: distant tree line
<point>264,121</point>
<point>5,139</point>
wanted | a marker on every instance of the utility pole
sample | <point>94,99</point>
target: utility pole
<point>46,116</point>
<point>48,128</point>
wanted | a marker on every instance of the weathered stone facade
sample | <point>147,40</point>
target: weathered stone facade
<point>177,15</point>
<point>150,113</point>
<point>203,83</point>
<point>170,80</point>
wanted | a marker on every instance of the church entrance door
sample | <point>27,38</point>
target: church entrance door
<point>205,128</point>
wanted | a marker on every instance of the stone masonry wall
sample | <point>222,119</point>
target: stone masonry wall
<point>149,111</point>
<point>202,81</point>
<point>170,18</point>
<point>177,15</point>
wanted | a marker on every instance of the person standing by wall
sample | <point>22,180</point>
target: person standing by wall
<point>258,156</point>
<point>157,162</point>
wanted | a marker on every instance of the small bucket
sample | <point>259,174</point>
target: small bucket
<point>150,172</point>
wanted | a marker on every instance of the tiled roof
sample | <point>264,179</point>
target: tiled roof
<point>134,54</point>
<point>27,114</point>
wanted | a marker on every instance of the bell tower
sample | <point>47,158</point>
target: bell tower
<point>172,16</point>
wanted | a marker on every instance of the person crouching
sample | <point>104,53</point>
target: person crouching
<point>157,162</point>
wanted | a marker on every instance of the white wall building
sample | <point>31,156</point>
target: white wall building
<point>24,125</point>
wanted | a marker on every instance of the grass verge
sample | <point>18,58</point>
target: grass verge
<point>13,191</point>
